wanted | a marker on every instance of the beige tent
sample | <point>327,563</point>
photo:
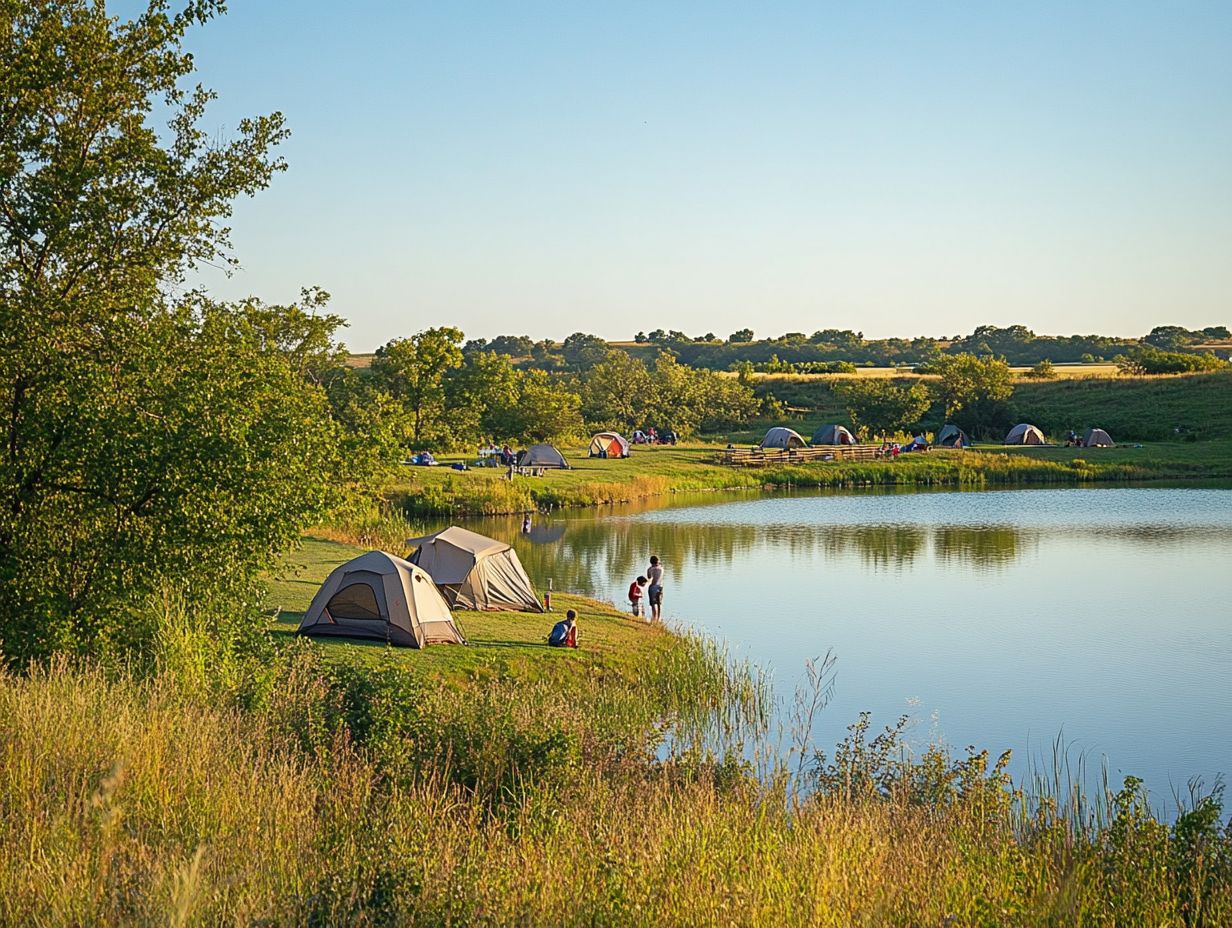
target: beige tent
<point>1025,434</point>
<point>475,572</point>
<point>781,437</point>
<point>1097,438</point>
<point>378,595</point>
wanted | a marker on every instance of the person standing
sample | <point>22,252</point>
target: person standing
<point>654,592</point>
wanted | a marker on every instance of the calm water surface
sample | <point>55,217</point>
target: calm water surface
<point>999,619</point>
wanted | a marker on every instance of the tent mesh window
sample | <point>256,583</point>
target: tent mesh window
<point>357,601</point>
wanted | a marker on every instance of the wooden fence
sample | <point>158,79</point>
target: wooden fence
<point>763,457</point>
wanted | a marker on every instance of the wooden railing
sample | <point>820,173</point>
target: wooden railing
<point>764,457</point>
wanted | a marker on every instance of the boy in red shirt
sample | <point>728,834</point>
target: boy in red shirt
<point>635,595</point>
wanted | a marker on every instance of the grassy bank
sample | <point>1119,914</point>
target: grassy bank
<point>510,784</point>
<point>657,471</point>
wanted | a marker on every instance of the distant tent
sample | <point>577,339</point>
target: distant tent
<point>1025,434</point>
<point>953,437</point>
<point>1097,438</point>
<point>542,456</point>
<point>780,437</point>
<point>378,595</point>
<point>608,445</point>
<point>473,571</point>
<point>833,435</point>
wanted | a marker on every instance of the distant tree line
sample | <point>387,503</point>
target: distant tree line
<point>829,350</point>
<point>449,393</point>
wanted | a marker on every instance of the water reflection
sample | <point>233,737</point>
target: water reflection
<point>593,553</point>
<point>585,554</point>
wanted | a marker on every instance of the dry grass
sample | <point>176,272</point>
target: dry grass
<point>126,803</point>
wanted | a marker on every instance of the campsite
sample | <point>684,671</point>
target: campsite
<point>623,465</point>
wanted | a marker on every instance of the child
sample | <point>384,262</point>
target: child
<point>635,595</point>
<point>564,633</point>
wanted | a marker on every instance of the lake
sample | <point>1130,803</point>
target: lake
<point>1002,619</point>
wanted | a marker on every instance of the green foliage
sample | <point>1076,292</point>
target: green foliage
<point>412,371</point>
<point>881,404</point>
<point>974,391</point>
<point>741,336</point>
<point>582,352</point>
<point>547,409</point>
<point>152,441</point>
<point>625,393</point>
<point>1044,370</point>
<point>1144,359</point>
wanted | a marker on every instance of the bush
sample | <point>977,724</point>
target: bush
<point>1147,360</point>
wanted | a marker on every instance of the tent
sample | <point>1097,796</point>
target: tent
<point>833,435</point>
<point>1025,434</point>
<point>608,445</point>
<point>542,456</point>
<point>473,571</point>
<point>951,436</point>
<point>1097,438</point>
<point>378,595</point>
<point>780,437</point>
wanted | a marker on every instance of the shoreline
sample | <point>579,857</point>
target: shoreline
<point>658,472</point>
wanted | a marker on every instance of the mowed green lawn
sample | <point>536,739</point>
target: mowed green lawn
<point>501,644</point>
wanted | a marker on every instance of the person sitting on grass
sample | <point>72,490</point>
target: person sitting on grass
<point>564,633</point>
<point>635,595</point>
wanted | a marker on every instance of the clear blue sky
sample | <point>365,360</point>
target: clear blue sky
<point>896,168</point>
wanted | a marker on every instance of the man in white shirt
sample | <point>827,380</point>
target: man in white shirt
<point>655,590</point>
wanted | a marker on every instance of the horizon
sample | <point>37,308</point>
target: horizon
<point>550,169</point>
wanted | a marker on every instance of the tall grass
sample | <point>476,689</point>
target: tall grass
<point>372,797</point>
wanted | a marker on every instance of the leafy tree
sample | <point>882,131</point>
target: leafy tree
<point>1168,337</point>
<point>618,392</point>
<point>741,335</point>
<point>545,355</point>
<point>975,390</point>
<point>1044,370</point>
<point>640,338</point>
<point>151,439</point>
<point>412,371</point>
<point>480,396</point>
<point>1216,331</point>
<point>515,346</point>
<point>879,403</point>
<point>582,351</point>
<point>547,409</point>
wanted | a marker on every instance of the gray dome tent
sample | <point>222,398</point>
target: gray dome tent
<point>951,436</point>
<point>833,435</point>
<point>473,571</point>
<point>1097,438</point>
<point>1025,434</point>
<point>780,437</point>
<point>378,595</point>
<point>542,456</point>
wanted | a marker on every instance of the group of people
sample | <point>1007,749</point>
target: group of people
<point>893,449</point>
<point>652,436</point>
<point>648,586</point>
